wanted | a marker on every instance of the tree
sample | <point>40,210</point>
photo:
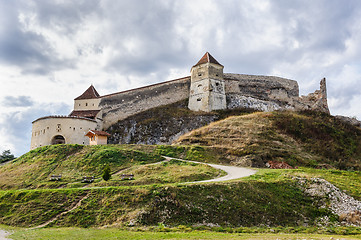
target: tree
<point>6,156</point>
<point>106,173</point>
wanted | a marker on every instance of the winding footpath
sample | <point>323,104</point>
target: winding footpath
<point>4,234</point>
<point>232,174</point>
<point>232,171</point>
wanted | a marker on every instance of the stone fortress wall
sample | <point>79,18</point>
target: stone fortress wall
<point>51,130</point>
<point>207,89</point>
<point>121,105</point>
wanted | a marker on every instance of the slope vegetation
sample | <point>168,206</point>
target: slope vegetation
<point>300,139</point>
<point>73,162</point>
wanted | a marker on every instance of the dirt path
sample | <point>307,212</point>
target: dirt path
<point>232,171</point>
<point>4,234</point>
<point>60,214</point>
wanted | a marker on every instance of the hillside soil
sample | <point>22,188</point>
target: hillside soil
<point>300,139</point>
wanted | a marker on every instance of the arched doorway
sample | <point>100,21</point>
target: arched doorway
<point>58,139</point>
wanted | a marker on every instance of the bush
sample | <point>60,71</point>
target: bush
<point>106,173</point>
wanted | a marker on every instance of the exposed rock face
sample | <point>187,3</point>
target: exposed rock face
<point>235,101</point>
<point>134,130</point>
<point>333,198</point>
<point>352,121</point>
<point>160,125</point>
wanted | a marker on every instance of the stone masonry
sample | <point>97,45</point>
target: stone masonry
<point>208,89</point>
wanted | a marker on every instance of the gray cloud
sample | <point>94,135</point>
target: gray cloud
<point>17,125</point>
<point>30,51</point>
<point>143,40</point>
<point>20,101</point>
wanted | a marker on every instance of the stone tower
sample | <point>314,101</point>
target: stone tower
<point>207,92</point>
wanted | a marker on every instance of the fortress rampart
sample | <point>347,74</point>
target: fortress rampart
<point>207,89</point>
<point>60,129</point>
<point>121,105</point>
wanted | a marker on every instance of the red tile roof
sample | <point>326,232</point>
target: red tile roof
<point>207,58</point>
<point>90,93</point>
<point>99,133</point>
<point>84,113</point>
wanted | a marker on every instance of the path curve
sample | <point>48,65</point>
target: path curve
<point>4,234</point>
<point>233,172</point>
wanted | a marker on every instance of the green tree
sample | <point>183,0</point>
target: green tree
<point>106,173</point>
<point>6,156</point>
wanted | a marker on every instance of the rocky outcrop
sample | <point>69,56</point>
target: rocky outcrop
<point>150,131</point>
<point>341,204</point>
<point>353,121</point>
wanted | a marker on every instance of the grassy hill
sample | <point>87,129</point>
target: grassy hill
<point>33,169</point>
<point>320,145</point>
<point>300,139</point>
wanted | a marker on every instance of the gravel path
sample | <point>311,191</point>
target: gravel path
<point>4,234</point>
<point>232,171</point>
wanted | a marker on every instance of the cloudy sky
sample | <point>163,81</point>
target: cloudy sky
<point>51,51</point>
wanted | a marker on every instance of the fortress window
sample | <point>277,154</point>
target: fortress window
<point>93,104</point>
<point>47,127</point>
<point>73,129</point>
<point>79,104</point>
<point>200,85</point>
<point>216,74</point>
<point>199,74</point>
<point>86,104</point>
<point>81,128</point>
<point>199,99</point>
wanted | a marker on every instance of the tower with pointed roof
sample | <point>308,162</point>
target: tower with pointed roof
<point>207,90</point>
<point>89,100</point>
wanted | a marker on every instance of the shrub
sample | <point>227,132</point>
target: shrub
<point>106,173</point>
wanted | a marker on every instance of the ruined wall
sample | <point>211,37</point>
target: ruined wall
<point>316,101</point>
<point>121,105</point>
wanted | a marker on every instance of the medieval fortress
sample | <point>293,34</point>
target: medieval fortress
<point>208,88</point>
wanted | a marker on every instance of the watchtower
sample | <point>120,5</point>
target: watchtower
<point>207,91</point>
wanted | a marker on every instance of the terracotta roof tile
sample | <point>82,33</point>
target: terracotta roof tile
<point>99,133</point>
<point>207,58</point>
<point>84,113</point>
<point>90,93</point>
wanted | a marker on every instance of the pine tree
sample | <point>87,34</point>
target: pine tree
<point>6,156</point>
<point>106,173</point>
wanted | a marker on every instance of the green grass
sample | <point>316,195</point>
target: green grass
<point>173,171</point>
<point>33,169</point>
<point>338,143</point>
<point>349,181</point>
<point>306,139</point>
<point>113,233</point>
<point>249,203</point>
